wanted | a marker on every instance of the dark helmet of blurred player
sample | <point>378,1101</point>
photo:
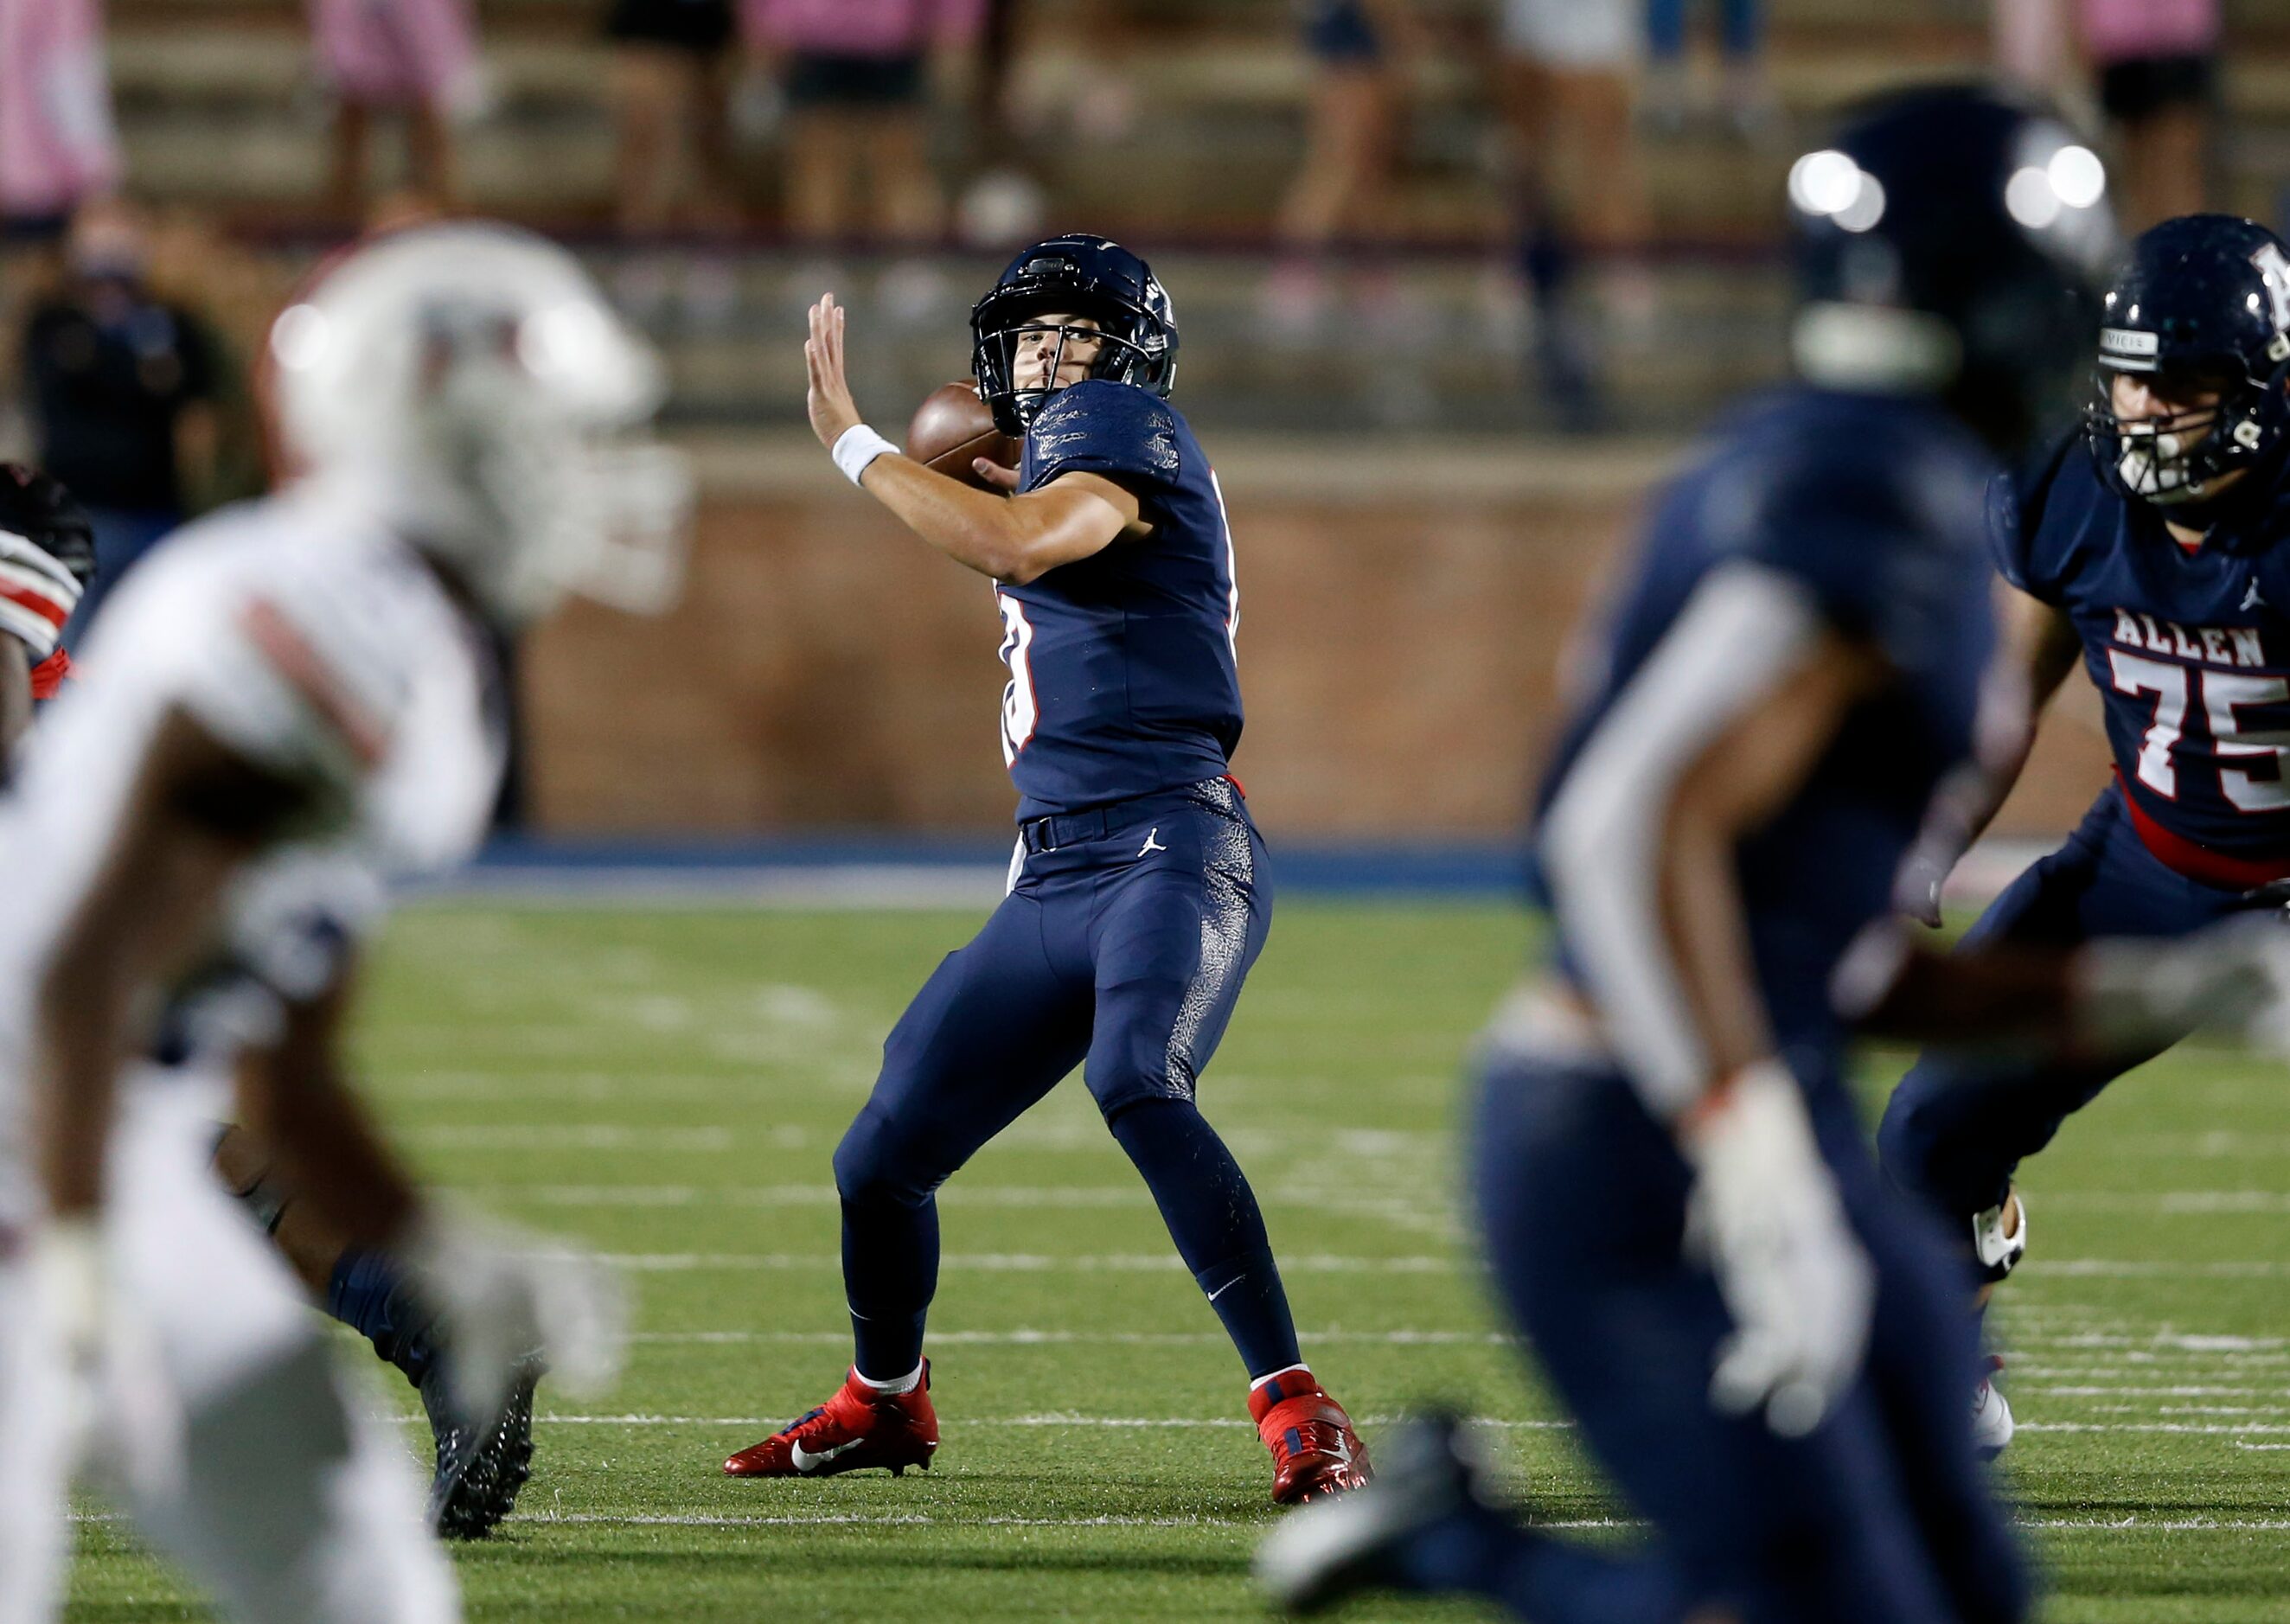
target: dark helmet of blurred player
<point>1075,275</point>
<point>1951,242</point>
<point>36,507</point>
<point>2199,308</point>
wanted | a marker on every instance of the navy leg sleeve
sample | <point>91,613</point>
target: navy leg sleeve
<point>993,1030</point>
<point>1213,1217</point>
<point>1179,918</point>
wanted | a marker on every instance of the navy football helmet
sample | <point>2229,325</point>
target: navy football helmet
<point>36,507</point>
<point>1072,276</point>
<point>2201,304</point>
<point>1952,242</point>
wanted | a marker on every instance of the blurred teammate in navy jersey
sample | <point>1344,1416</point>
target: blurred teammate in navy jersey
<point>2147,543</point>
<point>1139,897</point>
<point>1763,1348</point>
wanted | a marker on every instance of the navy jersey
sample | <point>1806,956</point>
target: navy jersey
<point>1122,680</point>
<point>2189,650</point>
<point>1874,507</point>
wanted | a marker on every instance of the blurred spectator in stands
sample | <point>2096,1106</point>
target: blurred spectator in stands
<point>120,387</point>
<point>2157,62</point>
<point>1004,205</point>
<point>2034,46</point>
<point>859,76</point>
<point>1362,52</point>
<point>57,146</point>
<point>1747,100</point>
<point>415,57</point>
<point>670,84</point>
<point>231,291</point>
<point>1567,68</point>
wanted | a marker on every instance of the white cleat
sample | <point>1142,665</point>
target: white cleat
<point>1999,1252</point>
<point>1991,1416</point>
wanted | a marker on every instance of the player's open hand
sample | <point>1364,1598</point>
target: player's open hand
<point>828,399</point>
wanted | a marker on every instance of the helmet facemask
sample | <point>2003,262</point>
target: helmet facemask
<point>471,384</point>
<point>1119,358</point>
<point>2178,459</point>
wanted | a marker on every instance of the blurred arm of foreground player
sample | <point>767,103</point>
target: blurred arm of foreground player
<point>197,812</point>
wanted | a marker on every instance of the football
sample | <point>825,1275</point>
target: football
<point>953,425</point>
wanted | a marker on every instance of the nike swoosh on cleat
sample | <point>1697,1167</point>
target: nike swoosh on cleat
<point>805,1461</point>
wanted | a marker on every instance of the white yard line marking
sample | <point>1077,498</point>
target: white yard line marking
<point>1403,1149</point>
<point>1127,1423</point>
<point>915,1519</point>
<point>2203,1428</point>
<point>2179,1524</point>
<point>2256,1269</point>
<point>837,1519</point>
<point>562,1136</point>
<point>1398,1212</point>
<point>1020,1262</point>
<point>2043,1391</point>
<point>1028,1338</point>
<point>2200,1342</point>
<point>1114,1422</point>
<point>2172,1202</point>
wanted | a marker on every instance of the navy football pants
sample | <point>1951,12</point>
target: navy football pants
<point>1881,1515</point>
<point>1958,1124</point>
<point>1123,954</point>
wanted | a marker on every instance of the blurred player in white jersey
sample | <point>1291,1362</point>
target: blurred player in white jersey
<point>288,707</point>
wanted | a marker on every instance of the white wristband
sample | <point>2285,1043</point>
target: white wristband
<point>857,446</point>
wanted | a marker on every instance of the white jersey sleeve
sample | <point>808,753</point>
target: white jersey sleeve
<point>300,674</point>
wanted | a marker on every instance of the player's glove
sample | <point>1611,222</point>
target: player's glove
<point>503,1295</point>
<point>2231,980</point>
<point>1917,887</point>
<point>70,1283</point>
<point>1764,1215</point>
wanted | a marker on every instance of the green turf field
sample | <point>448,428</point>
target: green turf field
<point>668,1086</point>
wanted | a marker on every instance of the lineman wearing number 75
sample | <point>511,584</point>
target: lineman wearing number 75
<point>2147,544</point>
<point>1139,897</point>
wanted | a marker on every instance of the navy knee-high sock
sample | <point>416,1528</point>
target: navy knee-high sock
<point>1213,1216</point>
<point>890,1273</point>
<point>1479,1552</point>
<point>366,1293</point>
<point>889,1245</point>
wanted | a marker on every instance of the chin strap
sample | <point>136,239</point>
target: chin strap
<point>2232,511</point>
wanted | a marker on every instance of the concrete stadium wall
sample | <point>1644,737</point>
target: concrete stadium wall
<point>1403,615</point>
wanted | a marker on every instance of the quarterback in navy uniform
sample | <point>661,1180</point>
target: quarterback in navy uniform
<point>1763,1346</point>
<point>1139,897</point>
<point>2147,544</point>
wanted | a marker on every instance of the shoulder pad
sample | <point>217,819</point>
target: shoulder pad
<point>2017,504</point>
<point>1100,426</point>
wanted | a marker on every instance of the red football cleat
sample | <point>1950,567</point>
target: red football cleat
<point>1315,1452</point>
<point>859,1428</point>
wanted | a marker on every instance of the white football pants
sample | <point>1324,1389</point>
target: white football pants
<point>224,1425</point>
